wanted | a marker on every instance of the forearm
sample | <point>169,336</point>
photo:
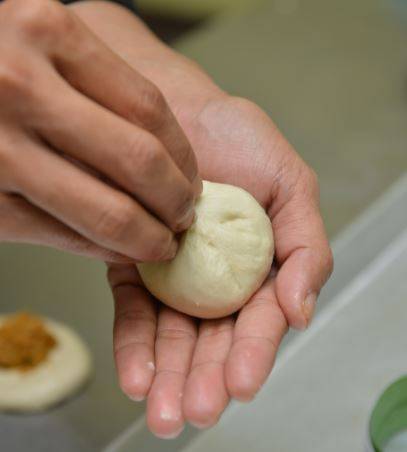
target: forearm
<point>179,78</point>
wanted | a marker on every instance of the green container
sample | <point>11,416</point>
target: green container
<point>388,422</point>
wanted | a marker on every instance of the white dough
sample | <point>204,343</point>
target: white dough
<point>66,368</point>
<point>222,260</point>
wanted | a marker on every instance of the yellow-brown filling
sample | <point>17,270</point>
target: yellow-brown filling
<point>24,342</point>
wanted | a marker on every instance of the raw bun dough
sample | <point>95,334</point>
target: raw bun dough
<point>67,367</point>
<point>222,260</point>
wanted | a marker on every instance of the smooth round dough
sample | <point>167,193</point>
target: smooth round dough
<point>66,368</point>
<point>222,259</point>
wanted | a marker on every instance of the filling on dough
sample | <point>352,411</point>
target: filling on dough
<point>24,342</point>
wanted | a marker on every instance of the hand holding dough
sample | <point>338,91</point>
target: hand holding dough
<point>222,259</point>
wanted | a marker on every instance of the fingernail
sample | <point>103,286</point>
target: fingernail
<point>136,398</point>
<point>189,215</point>
<point>172,251</point>
<point>187,219</point>
<point>309,307</point>
<point>121,259</point>
<point>171,435</point>
<point>197,186</point>
<point>200,425</point>
<point>245,398</point>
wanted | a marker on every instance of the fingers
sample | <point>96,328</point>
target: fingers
<point>259,329</point>
<point>176,336</point>
<point>111,82</point>
<point>153,183</point>
<point>22,222</point>
<point>206,396</point>
<point>134,331</point>
<point>95,210</point>
<point>302,252</point>
<point>132,158</point>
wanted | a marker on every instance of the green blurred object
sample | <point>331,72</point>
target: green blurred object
<point>389,416</point>
<point>193,9</point>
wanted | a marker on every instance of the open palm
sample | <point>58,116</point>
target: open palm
<point>189,369</point>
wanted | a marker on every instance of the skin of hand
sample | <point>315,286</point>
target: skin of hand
<point>190,369</point>
<point>92,160</point>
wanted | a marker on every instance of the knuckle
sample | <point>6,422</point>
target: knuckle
<point>39,18</point>
<point>14,78</point>
<point>151,107</point>
<point>146,157</point>
<point>115,221</point>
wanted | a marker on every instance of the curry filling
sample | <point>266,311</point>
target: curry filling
<point>24,342</point>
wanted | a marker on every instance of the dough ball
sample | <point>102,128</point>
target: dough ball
<point>66,368</point>
<point>222,260</point>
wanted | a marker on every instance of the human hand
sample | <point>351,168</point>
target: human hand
<point>91,158</point>
<point>190,369</point>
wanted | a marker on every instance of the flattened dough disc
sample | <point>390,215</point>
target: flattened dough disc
<point>67,367</point>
